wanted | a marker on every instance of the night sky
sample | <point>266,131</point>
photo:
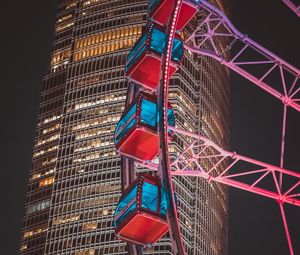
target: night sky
<point>255,223</point>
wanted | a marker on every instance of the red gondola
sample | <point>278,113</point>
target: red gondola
<point>140,216</point>
<point>160,11</point>
<point>143,63</point>
<point>136,132</point>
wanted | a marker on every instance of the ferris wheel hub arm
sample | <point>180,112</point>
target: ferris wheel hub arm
<point>234,51</point>
<point>203,158</point>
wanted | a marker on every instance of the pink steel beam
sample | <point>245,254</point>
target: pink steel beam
<point>293,7</point>
<point>286,228</point>
<point>234,53</point>
<point>282,152</point>
<point>203,158</point>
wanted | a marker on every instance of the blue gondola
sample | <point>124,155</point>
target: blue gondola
<point>136,132</point>
<point>142,204</point>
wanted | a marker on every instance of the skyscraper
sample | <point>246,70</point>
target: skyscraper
<point>75,177</point>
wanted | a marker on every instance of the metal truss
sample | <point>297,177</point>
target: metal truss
<point>295,8</point>
<point>216,37</point>
<point>203,158</point>
<point>244,56</point>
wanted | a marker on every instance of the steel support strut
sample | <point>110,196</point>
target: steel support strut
<point>203,158</point>
<point>244,56</point>
<point>286,228</point>
<point>164,160</point>
<point>293,7</point>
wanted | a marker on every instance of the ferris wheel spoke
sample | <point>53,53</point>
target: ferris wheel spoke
<point>216,164</point>
<point>286,228</point>
<point>246,57</point>
<point>295,8</point>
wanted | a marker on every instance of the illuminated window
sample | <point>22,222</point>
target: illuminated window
<point>95,155</point>
<point>90,145</point>
<point>46,182</point>
<point>86,252</point>
<point>89,226</point>
<point>108,98</point>
<point>105,42</point>
<point>71,5</point>
<point>38,206</point>
<point>47,140</point>
<point>23,247</point>
<point>38,175</point>
<point>35,231</point>
<point>91,156</point>
<point>94,132</point>
<point>50,129</point>
<point>60,59</point>
<point>49,161</point>
<point>101,121</point>
<point>66,219</point>
<point>64,18</point>
<point>41,152</point>
<point>88,2</point>
<point>62,27</point>
<point>54,117</point>
<point>60,56</point>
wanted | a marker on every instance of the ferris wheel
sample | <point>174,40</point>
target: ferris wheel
<point>148,123</point>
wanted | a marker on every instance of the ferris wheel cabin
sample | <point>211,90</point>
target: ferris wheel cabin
<point>143,63</point>
<point>136,132</point>
<point>142,204</point>
<point>160,11</point>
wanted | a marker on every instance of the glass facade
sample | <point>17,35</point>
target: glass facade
<point>128,201</point>
<point>75,180</point>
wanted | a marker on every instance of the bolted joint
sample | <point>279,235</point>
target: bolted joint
<point>286,100</point>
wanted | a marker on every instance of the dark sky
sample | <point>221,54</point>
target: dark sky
<point>255,223</point>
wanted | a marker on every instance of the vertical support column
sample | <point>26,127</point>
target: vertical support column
<point>283,142</point>
<point>286,228</point>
